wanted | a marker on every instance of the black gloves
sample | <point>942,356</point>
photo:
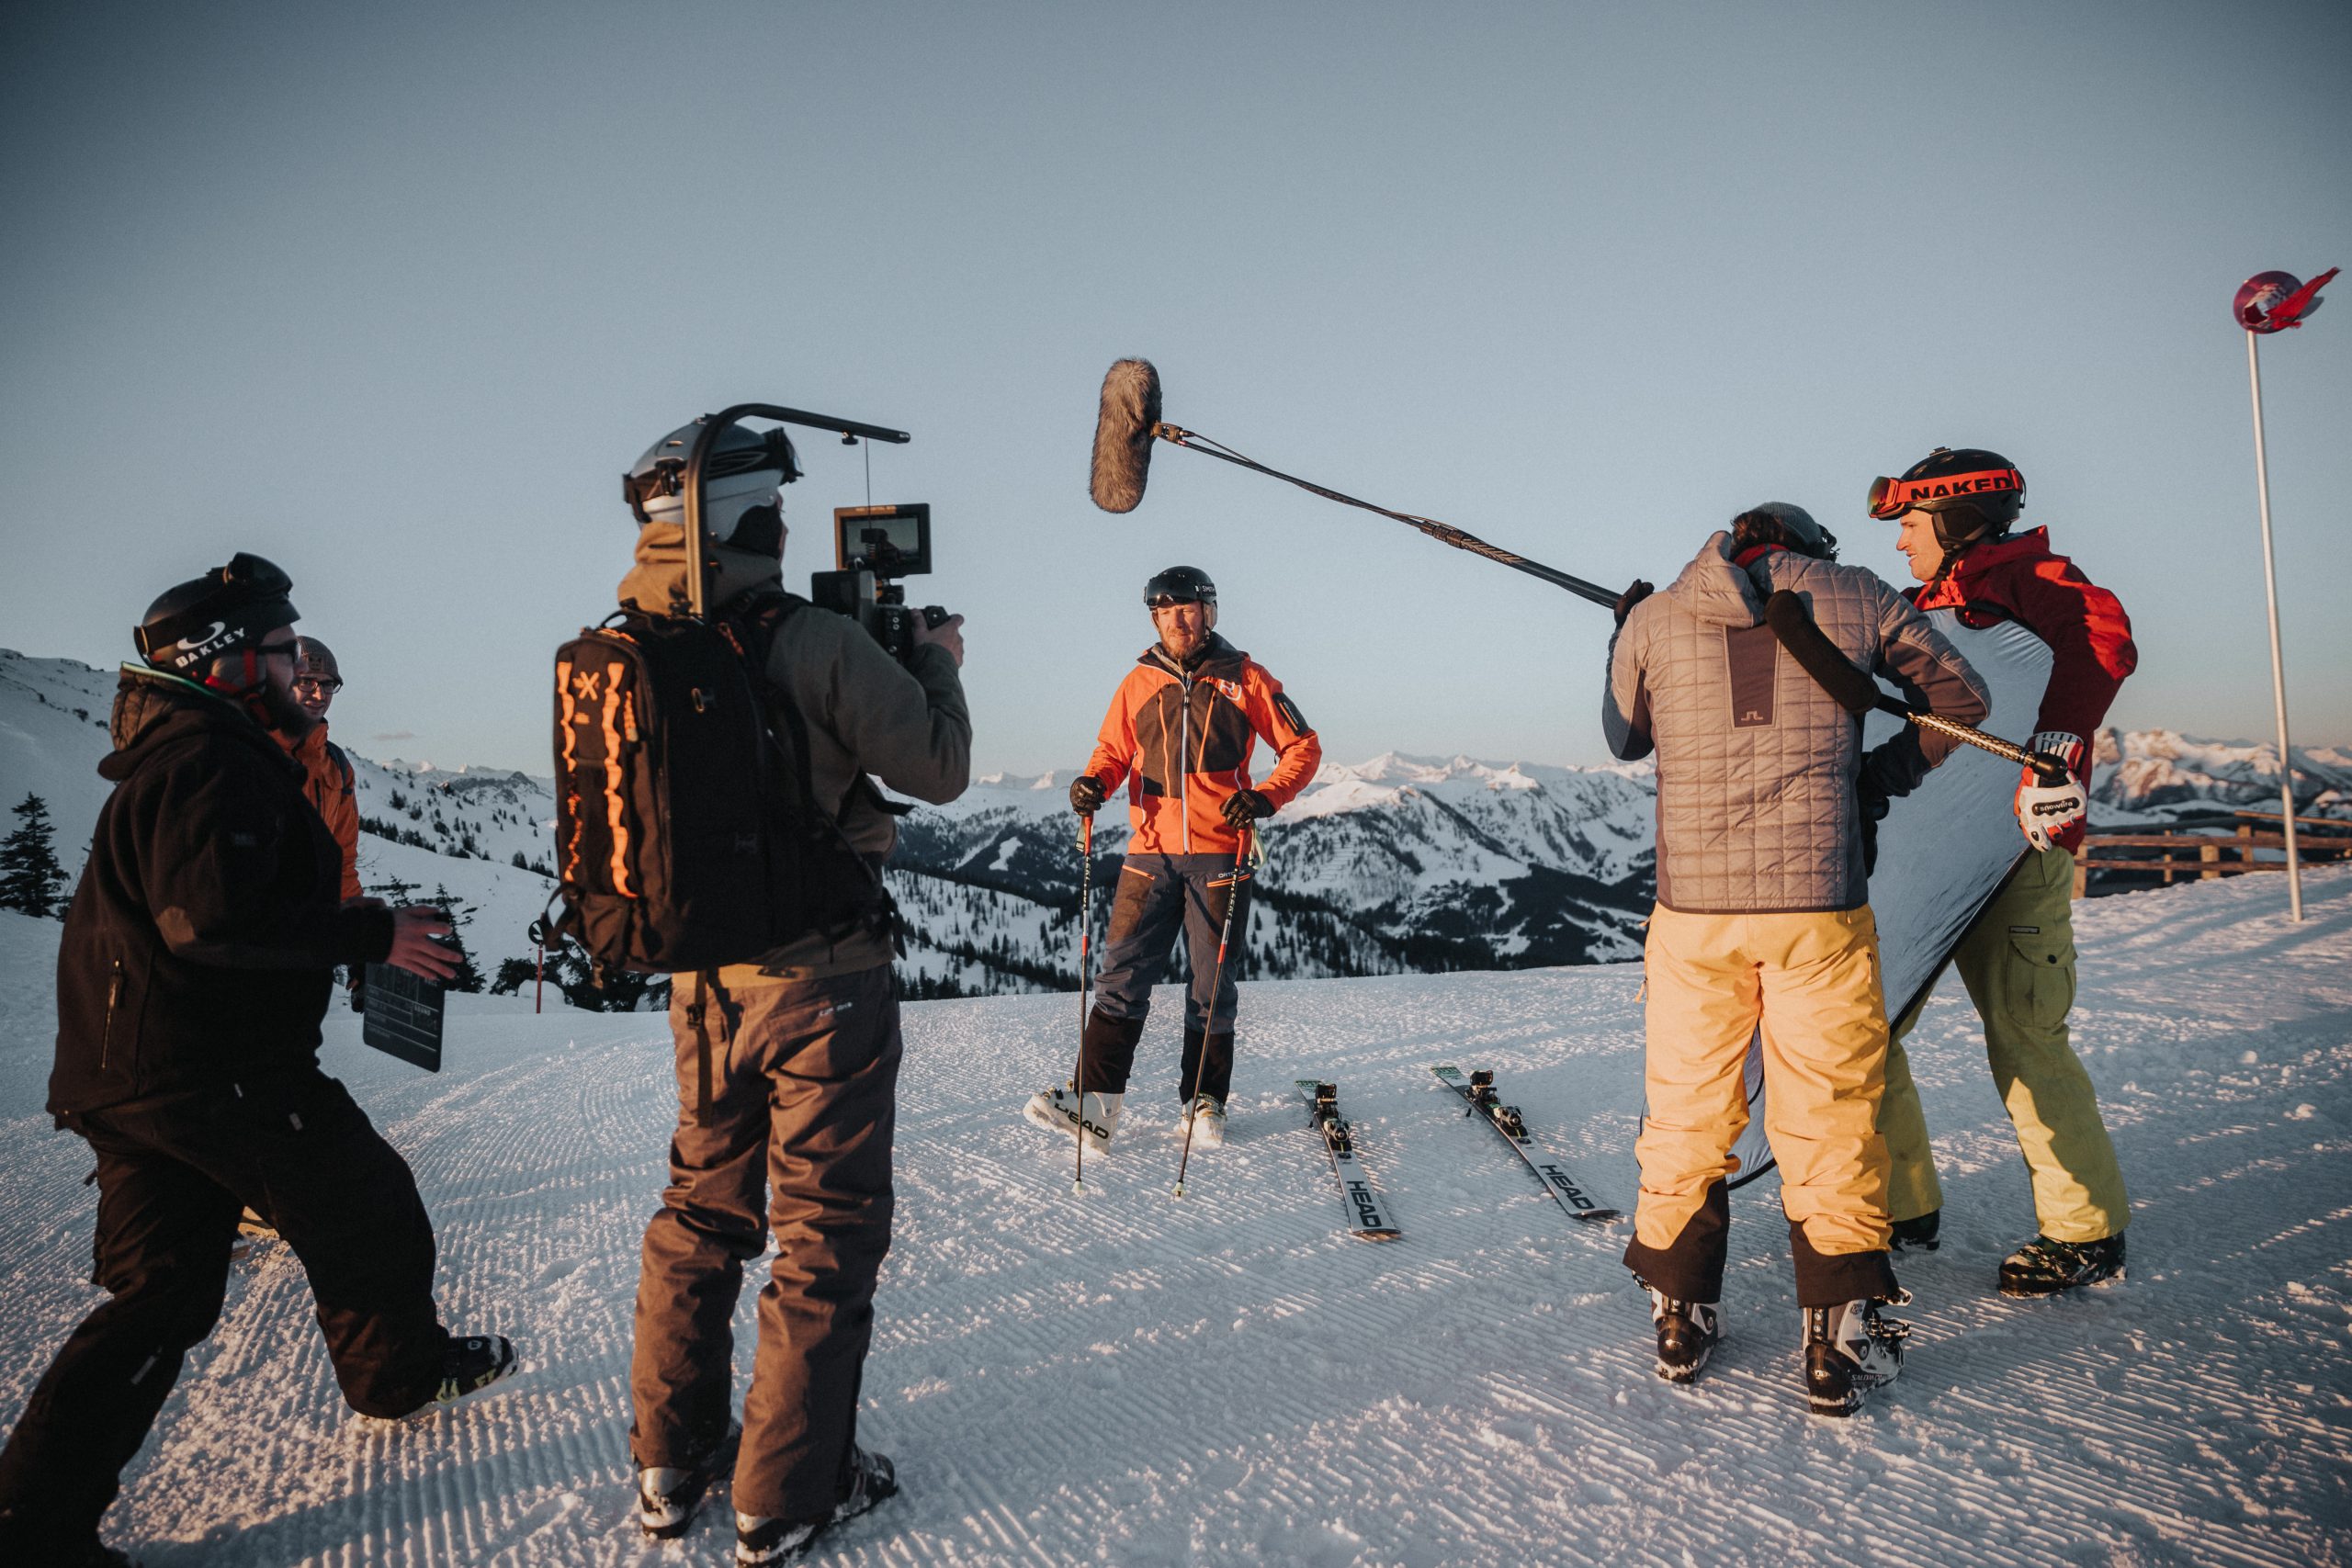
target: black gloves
<point>1245,807</point>
<point>1631,597</point>
<point>1087,795</point>
<point>1873,803</point>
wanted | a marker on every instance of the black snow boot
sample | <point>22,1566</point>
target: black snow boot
<point>2043,1266</point>
<point>1687,1333</point>
<point>468,1364</point>
<point>1849,1351</point>
<point>761,1542</point>
<point>667,1495</point>
<point>1918,1234</point>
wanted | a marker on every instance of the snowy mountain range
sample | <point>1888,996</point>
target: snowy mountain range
<point>1401,865</point>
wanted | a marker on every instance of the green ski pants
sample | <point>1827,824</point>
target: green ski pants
<point>2018,961</point>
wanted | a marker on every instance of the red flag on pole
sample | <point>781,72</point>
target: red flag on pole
<point>2268,302</point>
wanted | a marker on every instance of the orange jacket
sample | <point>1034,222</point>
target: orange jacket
<point>1181,740</point>
<point>334,793</point>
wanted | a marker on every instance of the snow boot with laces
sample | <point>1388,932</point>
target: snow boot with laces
<point>1849,1351</point>
<point>761,1542</point>
<point>2043,1266</point>
<point>1687,1333</point>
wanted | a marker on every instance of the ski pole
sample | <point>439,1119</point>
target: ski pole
<point>1085,980</point>
<point>1208,1024</point>
<point>1854,691</point>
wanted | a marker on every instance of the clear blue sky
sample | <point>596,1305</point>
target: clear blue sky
<point>394,294</point>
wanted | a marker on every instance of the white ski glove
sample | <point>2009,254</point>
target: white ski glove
<point>2055,815</point>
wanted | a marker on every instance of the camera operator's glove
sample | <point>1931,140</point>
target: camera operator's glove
<point>2055,815</point>
<point>1244,807</point>
<point>1631,597</point>
<point>1087,795</point>
<point>1873,803</point>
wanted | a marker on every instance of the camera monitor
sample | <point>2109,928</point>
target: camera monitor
<point>888,541</point>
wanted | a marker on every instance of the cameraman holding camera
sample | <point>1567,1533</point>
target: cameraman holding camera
<point>787,1068</point>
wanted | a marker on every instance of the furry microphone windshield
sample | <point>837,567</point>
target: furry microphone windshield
<point>1124,434</point>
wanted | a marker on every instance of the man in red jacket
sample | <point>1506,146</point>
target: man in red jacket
<point>2017,958</point>
<point>1179,734</point>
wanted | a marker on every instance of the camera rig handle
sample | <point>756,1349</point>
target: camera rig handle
<point>711,426</point>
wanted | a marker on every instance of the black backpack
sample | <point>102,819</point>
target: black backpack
<point>686,832</point>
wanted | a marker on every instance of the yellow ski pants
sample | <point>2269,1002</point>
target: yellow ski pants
<point>1811,982</point>
<point>2018,961</point>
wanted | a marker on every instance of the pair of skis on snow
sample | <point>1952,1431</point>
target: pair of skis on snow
<point>1368,1219</point>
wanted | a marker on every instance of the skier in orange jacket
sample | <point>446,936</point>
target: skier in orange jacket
<point>1179,735</point>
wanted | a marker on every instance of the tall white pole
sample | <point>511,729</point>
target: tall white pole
<point>2278,665</point>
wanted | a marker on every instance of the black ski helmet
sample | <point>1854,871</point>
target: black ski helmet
<point>225,610</point>
<point>1968,490</point>
<point>739,475</point>
<point>1179,585</point>
<point>1785,524</point>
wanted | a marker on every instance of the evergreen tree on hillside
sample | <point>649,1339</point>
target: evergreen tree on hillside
<point>468,977</point>
<point>31,879</point>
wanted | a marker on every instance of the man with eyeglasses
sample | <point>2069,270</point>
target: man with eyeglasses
<point>329,782</point>
<point>192,975</point>
<point>1179,734</point>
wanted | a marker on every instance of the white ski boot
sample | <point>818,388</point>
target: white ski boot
<point>1057,1110</point>
<point>1205,1118</point>
<point>1849,1351</point>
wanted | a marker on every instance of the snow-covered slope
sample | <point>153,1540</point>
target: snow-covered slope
<point>1127,1378</point>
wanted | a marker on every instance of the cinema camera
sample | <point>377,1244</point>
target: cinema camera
<point>874,546</point>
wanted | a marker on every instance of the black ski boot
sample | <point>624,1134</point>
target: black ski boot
<point>668,1495</point>
<point>468,1364</point>
<point>1918,1234</point>
<point>2043,1266</point>
<point>1687,1333</point>
<point>1849,1351</point>
<point>761,1542</point>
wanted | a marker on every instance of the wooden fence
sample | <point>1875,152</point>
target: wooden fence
<point>2222,845</point>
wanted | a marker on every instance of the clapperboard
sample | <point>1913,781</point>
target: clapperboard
<point>403,1016</point>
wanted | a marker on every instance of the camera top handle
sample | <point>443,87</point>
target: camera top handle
<point>711,426</point>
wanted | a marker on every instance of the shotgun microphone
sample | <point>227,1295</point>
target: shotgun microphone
<point>1123,433</point>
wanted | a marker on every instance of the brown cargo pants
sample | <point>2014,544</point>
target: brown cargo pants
<point>802,1109</point>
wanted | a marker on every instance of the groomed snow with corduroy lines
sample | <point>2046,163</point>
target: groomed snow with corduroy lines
<point>1123,1377</point>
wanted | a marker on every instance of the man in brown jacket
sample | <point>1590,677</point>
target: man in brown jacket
<point>802,1051</point>
<point>329,782</point>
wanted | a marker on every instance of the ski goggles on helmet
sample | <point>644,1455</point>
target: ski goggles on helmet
<point>1169,601</point>
<point>246,598</point>
<point>1892,498</point>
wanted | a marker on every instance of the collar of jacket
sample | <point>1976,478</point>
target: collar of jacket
<point>1715,589</point>
<point>151,707</point>
<point>1217,657</point>
<point>657,583</point>
<point>1974,561</point>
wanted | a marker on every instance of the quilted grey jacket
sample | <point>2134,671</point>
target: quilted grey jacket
<point>1757,805</point>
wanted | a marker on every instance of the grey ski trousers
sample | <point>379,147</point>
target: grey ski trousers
<point>803,1107</point>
